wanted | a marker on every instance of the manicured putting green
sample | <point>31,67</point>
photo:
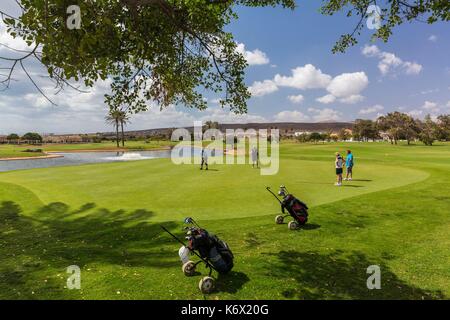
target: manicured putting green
<point>172,192</point>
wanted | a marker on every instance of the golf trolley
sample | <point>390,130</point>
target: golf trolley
<point>295,208</point>
<point>212,251</point>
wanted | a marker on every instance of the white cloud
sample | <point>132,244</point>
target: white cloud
<point>433,38</point>
<point>261,88</point>
<point>354,98</point>
<point>348,85</point>
<point>291,116</point>
<point>255,57</point>
<point>372,109</point>
<point>327,114</point>
<point>415,113</point>
<point>370,51</point>
<point>329,98</point>
<point>16,43</point>
<point>389,62</point>
<point>430,106</point>
<point>412,67</point>
<point>306,77</point>
<point>296,99</point>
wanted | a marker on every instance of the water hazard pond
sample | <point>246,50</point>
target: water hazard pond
<point>77,158</point>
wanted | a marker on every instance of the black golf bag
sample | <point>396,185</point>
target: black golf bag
<point>211,248</point>
<point>296,208</point>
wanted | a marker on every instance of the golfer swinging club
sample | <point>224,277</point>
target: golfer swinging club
<point>204,159</point>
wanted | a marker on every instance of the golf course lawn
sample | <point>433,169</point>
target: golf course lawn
<point>106,219</point>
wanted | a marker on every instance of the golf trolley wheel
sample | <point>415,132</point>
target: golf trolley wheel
<point>206,285</point>
<point>279,219</point>
<point>293,225</point>
<point>189,268</point>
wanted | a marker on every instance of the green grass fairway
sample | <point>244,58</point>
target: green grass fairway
<point>106,219</point>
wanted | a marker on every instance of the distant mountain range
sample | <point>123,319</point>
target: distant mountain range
<point>284,127</point>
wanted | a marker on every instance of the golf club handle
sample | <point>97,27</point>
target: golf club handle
<point>193,251</point>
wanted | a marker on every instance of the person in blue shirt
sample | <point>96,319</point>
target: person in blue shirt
<point>349,164</point>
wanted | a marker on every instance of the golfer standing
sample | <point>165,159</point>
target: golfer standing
<point>204,159</point>
<point>339,163</point>
<point>349,165</point>
<point>254,154</point>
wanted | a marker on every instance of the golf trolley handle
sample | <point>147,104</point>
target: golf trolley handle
<point>268,189</point>
<point>173,236</point>
<point>193,251</point>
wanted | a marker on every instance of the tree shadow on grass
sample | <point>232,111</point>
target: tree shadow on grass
<point>310,226</point>
<point>231,282</point>
<point>339,275</point>
<point>56,236</point>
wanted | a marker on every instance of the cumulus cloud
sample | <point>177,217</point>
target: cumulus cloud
<point>415,113</point>
<point>261,88</point>
<point>348,84</point>
<point>354,98</point>
<point>323,115</point>
<point>373,109</point>
<point>412,67</point>
<point>430,106</point>
<point>306,77</point>
<point>296,99</point>
<point>329,98</point>
<point>255,57</point>
<point>389,62</point>
<point>370,51</point>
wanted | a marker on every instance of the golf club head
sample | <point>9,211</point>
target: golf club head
<point>188,220</point>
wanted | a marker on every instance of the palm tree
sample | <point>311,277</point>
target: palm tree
<point>113,118</point>
<point>124,119</point>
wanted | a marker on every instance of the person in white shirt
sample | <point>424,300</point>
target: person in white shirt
<point>254,154</point>
<point>339,164</point>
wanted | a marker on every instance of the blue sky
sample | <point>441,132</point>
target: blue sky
<point>410,73</point>
<point>293,39</point>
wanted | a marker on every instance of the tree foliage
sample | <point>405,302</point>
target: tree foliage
<point>13,136</point>
<point>443,127</point>
<point>392,13</point>
<point>428,132</point>
<point>365,130</point>
<point>32,136</point>
<point>164,51</point>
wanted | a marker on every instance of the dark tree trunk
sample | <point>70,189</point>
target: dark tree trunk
<point>117,134</point>
<point>123,135</point>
